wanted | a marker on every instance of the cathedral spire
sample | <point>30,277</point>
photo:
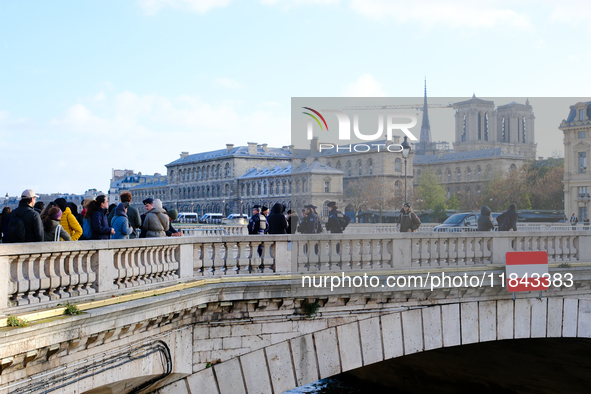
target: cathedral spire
<point>425,127</point>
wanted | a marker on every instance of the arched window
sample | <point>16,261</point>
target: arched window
<point>227,171</point>
<point>227,191</point>
<point>248,189</point>
<point>265,187</point>
<point>271,188</point>
<point>171,176</point>
<point>479,126</point>
<point>284,188</point>
<point>277,187</point>
<point>523,139</point>
<point>439,175</point>
<point>459,173</point>
<point>242,189</point>
<point>419,173</point>
<point>397,185</point>
<point>478,172</point>
<point>448,175</point>
<point>512,168</point>
<point>348,168</point>
<point>360,167</point>
<point>219,170</point>
<point>338,165</point>
<point>370,166</point>
<point>486,126</point>
<point>468,174</point>
<point>464,129</point>
<point>398,165</point>
<point>325,209</point>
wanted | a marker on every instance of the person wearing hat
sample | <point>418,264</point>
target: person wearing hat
<point>409,221</point>
<point>156,221</point>
<point>310,223</point>
<point>258,222</point>
<point>292,221</point>
<point>148,205</point>
<point>276,221</point>
<point>68,221</point>
<point>52,229</point>
<point>337,221</point>
<point>120,223</point>
<point>24,224</point>
<point>172,215</point>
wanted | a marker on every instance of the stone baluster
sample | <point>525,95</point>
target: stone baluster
<point>198,258</point>
<point>71,270</point>
<point>424,256</point>
<point>208,259</point>
<point>82,274</point>
<point>90,285</point>
<point>268,264</point>
<point>118,261</point>
<point>470,250</point>
<point>336,250</point>
<point>34,281</point>
<point>242,263</point>
<point>559,248</point>
<point>443,251</point>
<point>302,255</point>
<point>54,279</point>
<point>453,247</point>
<point>314,254</point>
<point>17,275</point>
<point>64,282</point>
<point>376,254</point>
<point>346,253</point>
<point>325,254</point>
<point>415,253</point>
<point>356,252</point>
<point>462,251</point>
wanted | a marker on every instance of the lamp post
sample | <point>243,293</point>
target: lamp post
<point>405,153</point>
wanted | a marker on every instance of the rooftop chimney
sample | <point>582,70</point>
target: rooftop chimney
<point>314,145</point>
<point>229,147</point>
<point>265,149</point>
<point>252,148</point>
<point>396,139</point>
<point>184,154</point>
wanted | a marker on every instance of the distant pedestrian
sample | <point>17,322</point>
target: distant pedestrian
<point>409,221</point>
<point>508,220</point>
<point>276,220</point>
<point>292,221</point>
<point>24,224</point>
<point>337,221</point>
<point>69,221</point>
<point>4,220</point>
<point>172,216</point>
<point>85,203</point>
<point>485,219</point>
<point>52,229</point>
<point>97,215</point>
<point>310,224</point>
<point>156,221</point>
<point>258,222</point>
<point>574,220</point>
<point>39,207</point>
<point>586,223</point>
<point>120,223</point>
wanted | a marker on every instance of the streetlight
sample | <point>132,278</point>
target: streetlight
<point>405,153</point>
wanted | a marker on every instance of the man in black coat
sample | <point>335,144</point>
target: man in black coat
<point>276,220</point>
<point>258,222</point>
<point>337,221</point>
<point>24,223</point>
<point>292,221</point>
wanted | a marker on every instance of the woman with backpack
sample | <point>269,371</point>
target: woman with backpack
<point>120,223</point>
<point>69,221</point>
<point>52,230</point>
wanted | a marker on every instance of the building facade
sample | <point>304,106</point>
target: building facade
<point>576,129</point>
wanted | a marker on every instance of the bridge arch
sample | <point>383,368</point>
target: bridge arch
<point>330,351</point>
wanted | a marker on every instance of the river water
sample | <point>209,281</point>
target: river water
<point>342,384</point>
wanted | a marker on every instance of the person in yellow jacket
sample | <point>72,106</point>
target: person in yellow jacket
<point>69,221</point>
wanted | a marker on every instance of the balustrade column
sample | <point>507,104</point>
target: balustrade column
<point>105,270</point>
<point>185,261</point>
<point>4,281</point>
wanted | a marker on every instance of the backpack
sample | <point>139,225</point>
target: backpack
<point>15,230</point>
<point>86,229</point>
<point>344,220</point>
<point>503,221</point>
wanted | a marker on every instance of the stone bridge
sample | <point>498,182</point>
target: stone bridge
<point>228,314</point>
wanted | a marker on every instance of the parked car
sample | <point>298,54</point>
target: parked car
<point>186,217</point>
<point>211,218</point>
<point>459,222</point>
<point>237,216</point>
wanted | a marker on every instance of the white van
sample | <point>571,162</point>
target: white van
<point>187,217</point>
<point>211,218</point>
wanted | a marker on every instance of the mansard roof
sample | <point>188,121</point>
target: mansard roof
<point>464,156</point>
<point>240,151</point>
<point>572,115</point>
<point>303,168</point>
<point>150,185</point>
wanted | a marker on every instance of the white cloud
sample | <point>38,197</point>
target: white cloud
<point>455,14</point>
<point>364,86</point>
<point>228,83</point>
<point>298,2</point>
<point>152,7</point>
<point>77,149</point>
<point>571,12</point>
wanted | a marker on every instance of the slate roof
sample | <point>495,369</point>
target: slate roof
<point>240,151</point>
<point>463,156</point>
<point>303,168</point>
<point>572,115</point>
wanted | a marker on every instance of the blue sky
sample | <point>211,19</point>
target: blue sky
<point>86,86</point>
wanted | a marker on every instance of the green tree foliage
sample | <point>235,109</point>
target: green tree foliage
<point>430,190</point>
<point>453,202</point>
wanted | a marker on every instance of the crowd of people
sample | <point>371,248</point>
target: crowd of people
<point>262,222</point>
<point>33,221</point>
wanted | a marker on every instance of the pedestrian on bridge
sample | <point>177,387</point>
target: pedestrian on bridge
<point>96,213</point>
<point>485,219</point>
<point>156,222</point>
<point>68,221</point>
<point>53,230</point>
<point>409,221</point>
<point>24,224</point>
<point>574,220</point>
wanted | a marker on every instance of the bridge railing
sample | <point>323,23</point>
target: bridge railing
<point>37,273</point>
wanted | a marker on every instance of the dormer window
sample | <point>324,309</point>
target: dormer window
<point>581,115</point>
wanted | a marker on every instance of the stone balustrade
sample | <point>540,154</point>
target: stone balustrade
<point>42,272</point>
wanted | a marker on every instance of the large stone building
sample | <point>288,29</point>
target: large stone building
<point>577,148</point>
<point>488,141</point>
